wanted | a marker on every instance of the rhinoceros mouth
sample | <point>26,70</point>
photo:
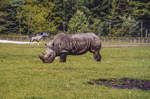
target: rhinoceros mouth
<point>46,60</point>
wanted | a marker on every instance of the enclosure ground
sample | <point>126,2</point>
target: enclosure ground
<point>24,76</point>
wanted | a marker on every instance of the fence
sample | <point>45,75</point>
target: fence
<point>127,39</point>
<point>104,39</point>
<point>16,38</point>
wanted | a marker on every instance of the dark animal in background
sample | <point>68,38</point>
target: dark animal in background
<point>72,44</point>
<point>45,35</point>
<point>38,36</point>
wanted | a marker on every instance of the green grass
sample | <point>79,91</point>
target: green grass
<point>24,76</point>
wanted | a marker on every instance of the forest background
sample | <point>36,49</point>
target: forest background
<point>115,18</point>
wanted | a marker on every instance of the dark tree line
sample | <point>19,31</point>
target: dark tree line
<point>103,17</point>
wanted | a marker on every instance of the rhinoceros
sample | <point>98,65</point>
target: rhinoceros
<point>72,44</point>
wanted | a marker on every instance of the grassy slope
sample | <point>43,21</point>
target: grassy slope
<point>24,76</point>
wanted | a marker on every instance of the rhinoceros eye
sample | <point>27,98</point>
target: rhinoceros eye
<point>52,44</point>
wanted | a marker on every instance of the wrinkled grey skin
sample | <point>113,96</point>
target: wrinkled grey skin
<point>72,44</point>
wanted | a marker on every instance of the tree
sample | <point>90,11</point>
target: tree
<point>141,10</point>
<point>3,15</point>
<point>8,20</point>
<point>96,26</point>
<point>2,21</point>
<point>38,16</point>
<point>78,23</point>
<point>126,26</point>
<point>107,17</point>
<point>65,9</point>
<point>121,20</point>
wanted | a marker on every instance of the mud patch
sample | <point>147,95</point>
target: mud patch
<point>124,83</point>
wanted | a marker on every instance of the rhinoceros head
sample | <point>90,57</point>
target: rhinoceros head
<point>48,56</point>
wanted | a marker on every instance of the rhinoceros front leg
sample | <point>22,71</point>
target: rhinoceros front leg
<point>63,57</point>
<point>97,56</point>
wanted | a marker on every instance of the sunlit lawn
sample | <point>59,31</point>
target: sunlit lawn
<point>24,76</point>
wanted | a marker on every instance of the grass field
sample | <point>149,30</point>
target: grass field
<point>24,76</point>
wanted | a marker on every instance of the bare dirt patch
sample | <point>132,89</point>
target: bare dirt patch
<point>124,83</point>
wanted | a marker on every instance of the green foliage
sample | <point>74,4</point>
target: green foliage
<point>78,23</point>
<point>97,8</point>
<point>2,28</point>
<point>120,7</point>
<point>3,3</point>
<point>130,26</point>
<point>107,17</point>
<point>2,21</point>
<point>3,14</point>
<point>96,26</point>
<point>38,16</point>
<point>141,8</point>
<point>124,26</point>
<point>8,16</point>
<point>65,9</point>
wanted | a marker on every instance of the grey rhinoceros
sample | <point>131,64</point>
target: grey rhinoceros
<point>72,44</point>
